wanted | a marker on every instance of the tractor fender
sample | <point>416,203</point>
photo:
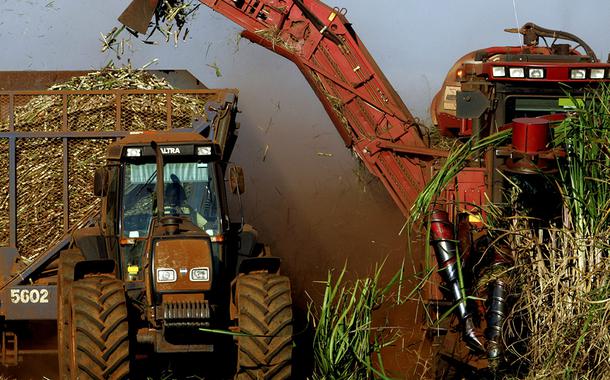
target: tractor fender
<point>248,242</point>
<point>269,264</point>
<point>87,267</point>
<point>91,243</point>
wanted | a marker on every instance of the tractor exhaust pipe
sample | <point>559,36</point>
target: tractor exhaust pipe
<point>160,180</point>
<point>445,248</point>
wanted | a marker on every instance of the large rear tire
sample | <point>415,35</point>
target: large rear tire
<point>67,261</point>
<point>265,315</point>
<point>99,346</point>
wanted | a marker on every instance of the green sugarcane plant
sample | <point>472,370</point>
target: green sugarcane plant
<point>560,271</point>
<point>562,313</point>
<point>457,160</point>
<point>346,342</point>
<point>568,299</point>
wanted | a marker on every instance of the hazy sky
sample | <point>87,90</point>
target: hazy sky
<point>415,42</point>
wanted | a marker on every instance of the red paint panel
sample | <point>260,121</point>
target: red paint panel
<point>530,135</point>
<point>440,226</point>
<point>471,185</point>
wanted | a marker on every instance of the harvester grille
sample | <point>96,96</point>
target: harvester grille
<point>185,313</point>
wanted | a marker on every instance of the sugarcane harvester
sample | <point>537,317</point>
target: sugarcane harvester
<point>485,91</point>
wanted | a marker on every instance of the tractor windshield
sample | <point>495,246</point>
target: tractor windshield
<point>190,190</point>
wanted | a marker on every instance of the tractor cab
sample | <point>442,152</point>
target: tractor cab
<point>488,88</point>
<point>187,203</point>
<point>163,198</point>
<point>164,263</point>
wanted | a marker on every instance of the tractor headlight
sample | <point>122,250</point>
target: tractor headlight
<point>134,152</point>
<point>199,274</point>
<point>516,72</point>
<point>578,74</point>
<point>166,275</point>
<point>597,73</point>
<point>204,150</point>
<point>499,71</point>
<point>536,73</point>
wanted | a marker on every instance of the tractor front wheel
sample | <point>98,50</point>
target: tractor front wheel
<point>265,320</point>
<point>99,346</point>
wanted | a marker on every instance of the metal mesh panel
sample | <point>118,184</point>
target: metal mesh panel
<point>4,114</point>
<point>39,194</point>
<point>91,112</point>
<point>38,113</point>
<point>85,157</point>
<point>186,107</point>
<point>144,112</point>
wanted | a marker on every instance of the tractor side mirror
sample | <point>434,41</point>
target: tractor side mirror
<point>236,180</point>
<point>100,180</point>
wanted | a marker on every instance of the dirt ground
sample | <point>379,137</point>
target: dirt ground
<point>335,220</point>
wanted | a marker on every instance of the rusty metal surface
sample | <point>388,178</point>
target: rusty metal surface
<point>160,345</point>
<point>10,348</point>
<point>183,255</point>
<point>138,14</point>
<point>7,260</point>
<point>41,80</point>
<point>29,302</point>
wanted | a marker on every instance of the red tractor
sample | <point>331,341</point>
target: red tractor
<point>517,87</point>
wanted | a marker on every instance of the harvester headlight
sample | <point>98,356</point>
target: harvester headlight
<point>499,71</point>
<point>204,150</point>
<point>134,152</point>
<point>166,275</point>
<point>199,274</point>
<point>578,74</point>
<point>536,73</point>
<point>597,73</point>
<point>516,72</point>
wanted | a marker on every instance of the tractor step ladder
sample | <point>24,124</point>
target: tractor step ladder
<point>10,349</point>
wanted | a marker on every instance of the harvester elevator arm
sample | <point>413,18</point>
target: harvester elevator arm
<point>365,109</point>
